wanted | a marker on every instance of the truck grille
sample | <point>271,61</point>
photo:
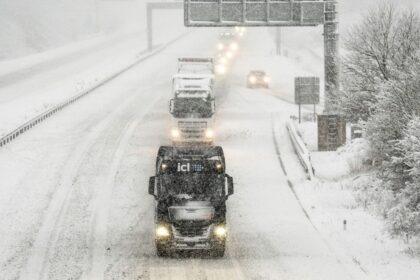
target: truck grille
<point>191,229</point>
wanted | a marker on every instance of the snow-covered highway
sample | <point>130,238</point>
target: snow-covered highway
<point>73,192</point>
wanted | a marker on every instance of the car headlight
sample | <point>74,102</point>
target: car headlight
<point>266,79</point>
<point>162,231</point>
<point>234,46</point>
<point>220,69</point>
<point>252,79</point>
<point>223,60</point>
<point>175,133</point>
<point>220,46</point>
<point>220,231</point>
<point>209,133</point>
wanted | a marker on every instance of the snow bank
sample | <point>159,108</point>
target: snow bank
<point>333,204</point>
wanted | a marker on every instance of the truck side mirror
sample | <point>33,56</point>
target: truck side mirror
<point>229,185</point>
<point>152,183</point>
<point>171,106</point>
<point>213,106</point>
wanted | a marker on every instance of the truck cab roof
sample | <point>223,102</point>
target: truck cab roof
<point>195,66</point>
<point>199,160</point>
<point>198,152</point>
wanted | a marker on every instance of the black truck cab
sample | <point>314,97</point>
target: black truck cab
<point>190,188</point>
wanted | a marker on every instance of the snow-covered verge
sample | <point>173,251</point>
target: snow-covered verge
<point>31,85</point>
<point>34,26</point>
<point>335,204</point>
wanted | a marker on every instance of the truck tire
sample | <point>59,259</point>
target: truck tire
<point>218,251</point>
<point>161,251</point>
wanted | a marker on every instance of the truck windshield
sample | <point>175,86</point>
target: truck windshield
<point>193,186</point>
<point>192,108</point>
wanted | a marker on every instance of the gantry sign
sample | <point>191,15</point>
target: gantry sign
<point>224,13</point>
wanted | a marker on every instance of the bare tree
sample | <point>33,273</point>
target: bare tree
<point>376,51</point>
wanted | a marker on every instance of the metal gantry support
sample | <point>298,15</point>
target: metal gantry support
<point>277,13</point>
<point>331,57</point>
<point>152,6</point>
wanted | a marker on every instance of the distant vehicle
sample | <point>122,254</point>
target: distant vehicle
<point>191,189</point>
<point>240,31</point>
<point>257,78</point>
<point>192,117</point>
<point>228,42</point>
<point>192,106</point>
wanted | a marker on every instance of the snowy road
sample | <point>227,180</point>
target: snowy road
<point>74,202</point>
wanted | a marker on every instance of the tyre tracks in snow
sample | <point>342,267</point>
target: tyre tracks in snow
<point>350,271</point>
<point>98,234</point>
<point>38,263</point>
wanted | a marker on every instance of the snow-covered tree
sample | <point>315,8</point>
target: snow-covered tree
<point>404,218</point>
<point>376,51</point>
<point>397,102</point>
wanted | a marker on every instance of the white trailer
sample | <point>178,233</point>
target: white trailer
<point>203,66</point>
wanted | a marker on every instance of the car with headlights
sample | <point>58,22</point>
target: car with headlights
<point>257,78</point>
<point>227,43</point>
<point>190,188</point>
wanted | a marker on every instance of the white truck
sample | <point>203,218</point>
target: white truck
<point>193,106</point>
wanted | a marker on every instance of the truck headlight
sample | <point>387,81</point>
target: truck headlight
<point>229,55</point>
<point>220,231</point>
<point>209,133</point>
<point>223,60</point>
<point>234,46</point>
<point>221,69</point>
<point>266,79</point>
<point>175,133</point>
<point>220,46</point>
<point>252,79</point>
<point>162,231</point>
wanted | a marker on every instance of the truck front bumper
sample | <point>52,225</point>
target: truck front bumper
<point>206,240</point>
<point>184,244</point>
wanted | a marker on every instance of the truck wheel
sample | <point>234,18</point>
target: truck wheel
<point>218,252</point>
<point>161,251</point>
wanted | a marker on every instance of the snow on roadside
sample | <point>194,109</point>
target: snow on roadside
<point>66,72</point>
<point>331,204</point>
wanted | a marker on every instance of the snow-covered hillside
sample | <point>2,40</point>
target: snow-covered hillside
<point>32,26</point>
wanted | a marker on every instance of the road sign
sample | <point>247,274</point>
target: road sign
<point>307,90</point>
<point>331,132</point>
<point>254,13</point>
